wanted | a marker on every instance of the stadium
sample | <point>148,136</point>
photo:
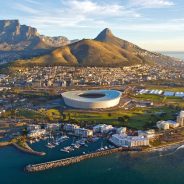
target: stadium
<point>92,99</point>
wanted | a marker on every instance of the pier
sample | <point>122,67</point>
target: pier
<point>28,150</point>
<point>72,160</point>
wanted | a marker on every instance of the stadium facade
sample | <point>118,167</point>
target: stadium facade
<point>92,99</point>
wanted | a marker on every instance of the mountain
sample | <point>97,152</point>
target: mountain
<point>105,50</point>
<point>14,36</point>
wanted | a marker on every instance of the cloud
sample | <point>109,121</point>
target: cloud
<point>74,13</point>
<point>25,8</point>
<point>89,7</point>
<point>152,3</point>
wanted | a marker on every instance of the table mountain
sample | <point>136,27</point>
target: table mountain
<point>14,36</point>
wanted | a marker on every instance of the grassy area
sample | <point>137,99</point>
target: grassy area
<point>137,119</point>
<point>174,101</point>
<point>154,98</point>
<point>30,114</point>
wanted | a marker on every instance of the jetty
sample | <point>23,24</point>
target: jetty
<point>73,160</point>
<point>27,149</point>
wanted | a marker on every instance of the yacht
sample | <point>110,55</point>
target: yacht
<point>49,145</point>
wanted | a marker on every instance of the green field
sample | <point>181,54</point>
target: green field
<point>136,119</point>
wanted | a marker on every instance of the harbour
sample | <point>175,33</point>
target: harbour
<point>121,167</point>
<point>73,160</point>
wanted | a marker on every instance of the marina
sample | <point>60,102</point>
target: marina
<point>118,167</point>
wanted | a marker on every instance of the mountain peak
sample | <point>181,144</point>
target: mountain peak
<point>104,35</point>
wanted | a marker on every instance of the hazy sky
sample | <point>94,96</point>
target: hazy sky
<point>152,24</point>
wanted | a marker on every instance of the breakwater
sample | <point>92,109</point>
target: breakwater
<point>72,160</point>
<point>29,150</point>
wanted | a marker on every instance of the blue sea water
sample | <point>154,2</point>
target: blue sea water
<point>179,55</point>
<point>128,168</point>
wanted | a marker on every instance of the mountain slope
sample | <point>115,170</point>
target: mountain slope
<point>14,36</point>
<point>105,50</point>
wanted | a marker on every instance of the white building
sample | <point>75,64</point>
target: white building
<point>121,130</point>
<point>53,126</point>
<point>37,133</point>
<point>148,133</point>
<point>165,125</point>
<point>82,132</point>
<point>70,127</point>
<point>180,118</point>
<point>129,141</point>
<point>102,128</point>
<point>97,128</point>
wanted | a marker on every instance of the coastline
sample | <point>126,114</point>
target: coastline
<point>166,146</point>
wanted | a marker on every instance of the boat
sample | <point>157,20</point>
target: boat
<point>67,149</point>
<point>77,146</point>
<point>62,138</point>
<point>64,150</point>
<point>49,145</point>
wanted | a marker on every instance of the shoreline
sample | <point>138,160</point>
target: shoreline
<point>166,146</point>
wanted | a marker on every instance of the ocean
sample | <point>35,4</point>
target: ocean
<point>129,168</point>
<point>179,55</point>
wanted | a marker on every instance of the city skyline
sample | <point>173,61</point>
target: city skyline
<point>154,25</point>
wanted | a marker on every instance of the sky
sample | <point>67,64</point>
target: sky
<point>156,25</point>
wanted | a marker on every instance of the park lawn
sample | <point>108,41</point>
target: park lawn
<point>176,101</point>
<point>151,97</point>
<point>31,114</point>
<point>138,118</point>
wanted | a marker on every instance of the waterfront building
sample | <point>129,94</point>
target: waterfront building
<point>53,126</point>
<point>37,133</point>
<point>82,132</point>
<point>70,127</point>
<point>150,134</point>
<point>102,128</point>
<point>121,130</point>
<point>97,128</point>
<point>129,141</point>
<point>180,118</point>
